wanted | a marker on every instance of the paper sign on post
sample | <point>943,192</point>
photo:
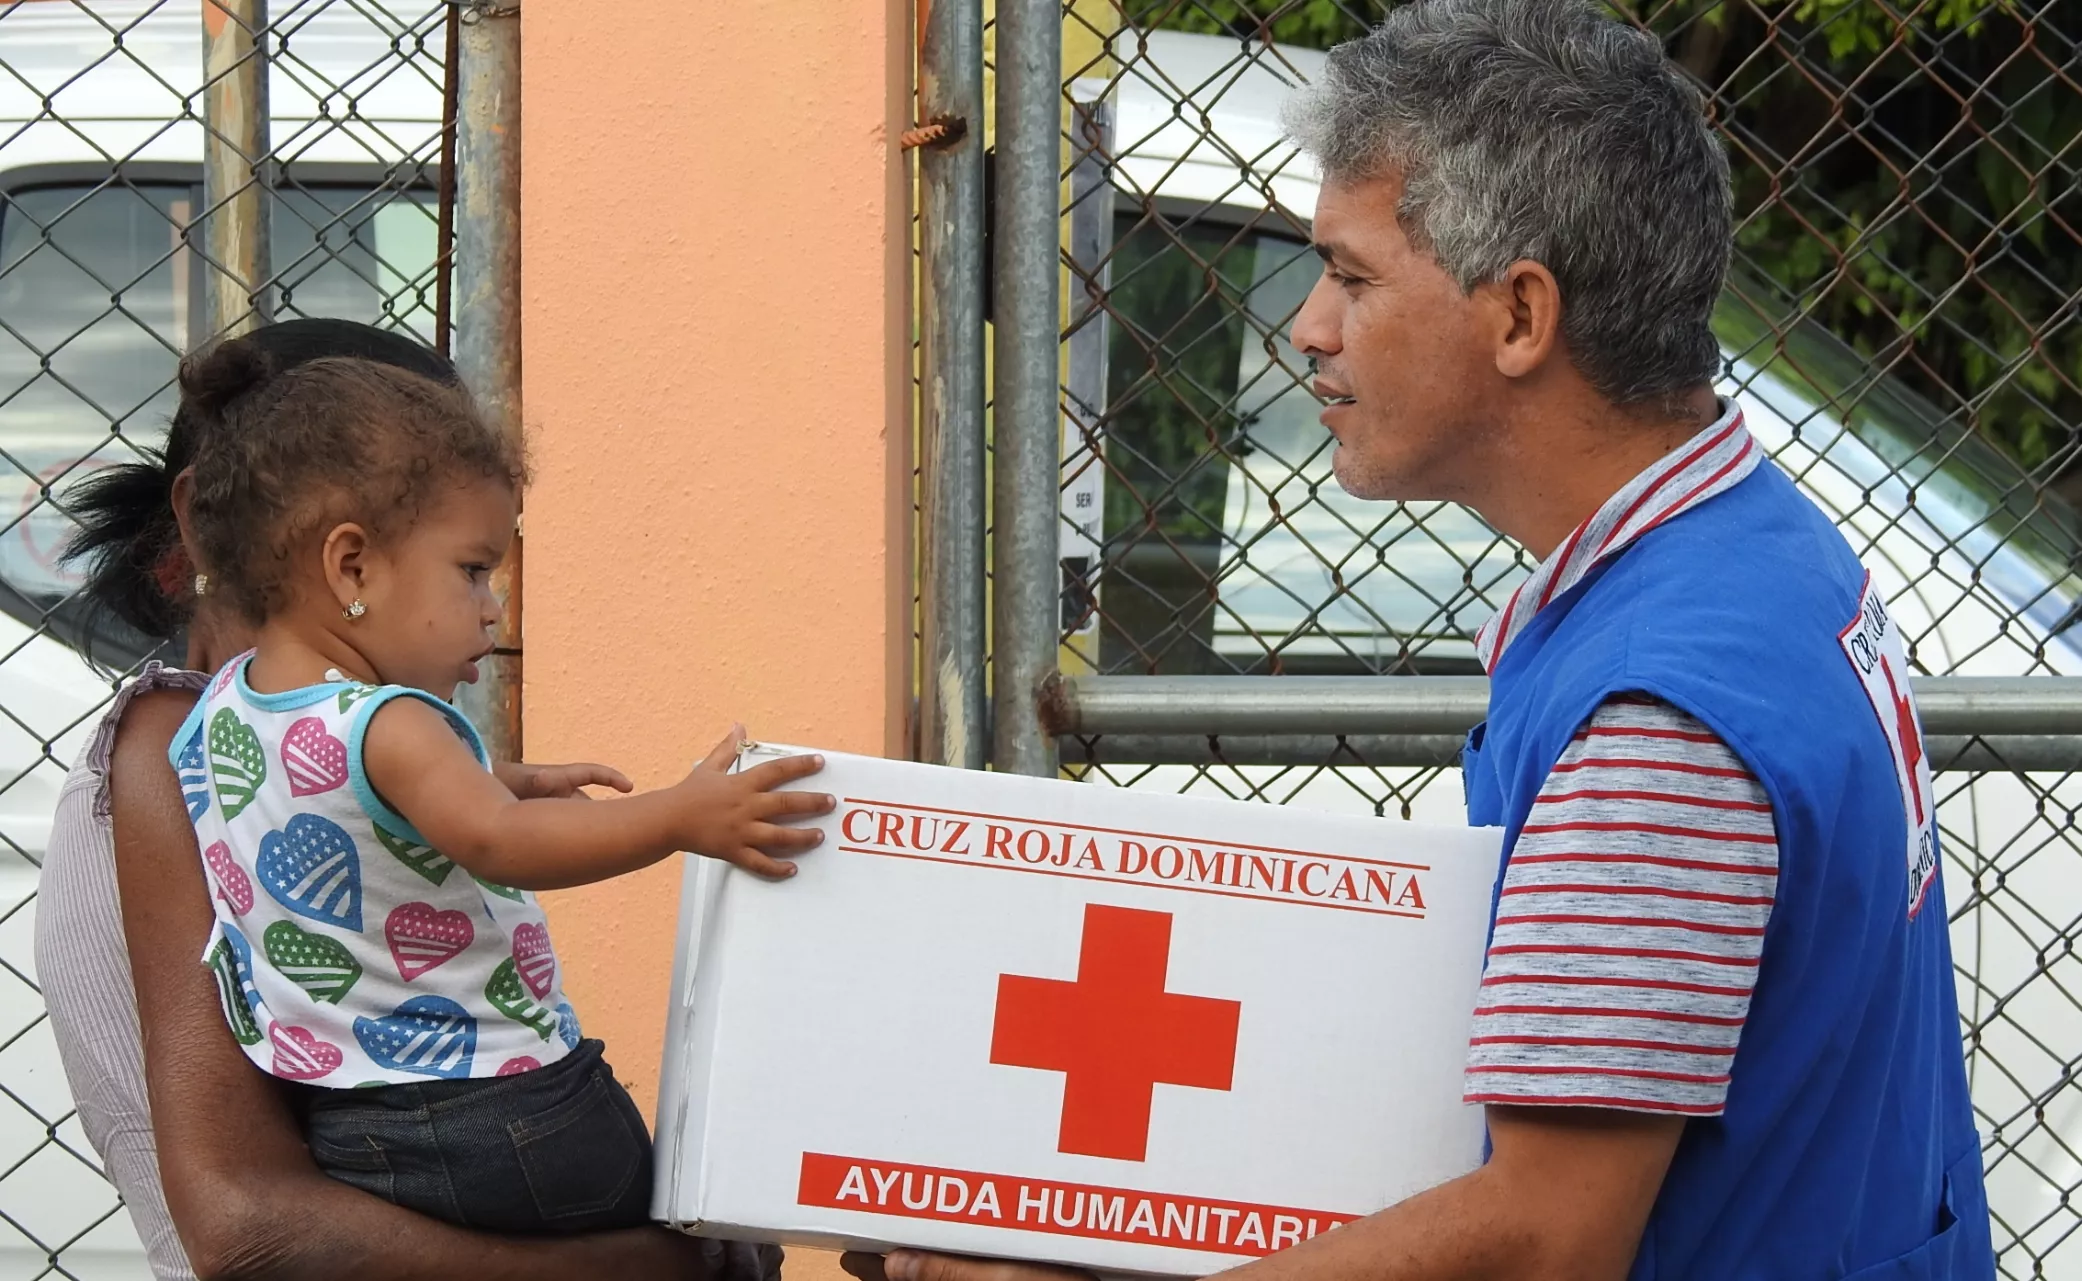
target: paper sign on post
<point>1047,1020</point>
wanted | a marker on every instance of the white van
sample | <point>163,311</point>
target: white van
<point>97,301</point>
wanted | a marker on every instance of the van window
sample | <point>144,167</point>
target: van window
<point>98,300</point>
<point>1229,546</point>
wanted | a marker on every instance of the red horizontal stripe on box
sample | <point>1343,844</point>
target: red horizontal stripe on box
<point>1122,831</point>
<point>1018,1203</point>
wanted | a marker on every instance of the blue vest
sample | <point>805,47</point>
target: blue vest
<point>1847,1148</point>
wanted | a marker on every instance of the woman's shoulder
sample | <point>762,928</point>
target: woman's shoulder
<point>140,720</point>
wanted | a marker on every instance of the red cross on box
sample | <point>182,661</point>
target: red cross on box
<point>1115,1033</point>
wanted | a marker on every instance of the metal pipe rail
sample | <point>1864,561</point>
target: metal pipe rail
<point>2015,723</point>
<point>1027,315</point>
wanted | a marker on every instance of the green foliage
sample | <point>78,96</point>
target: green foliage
<point>1316,24</point>
<point>1905,174</point>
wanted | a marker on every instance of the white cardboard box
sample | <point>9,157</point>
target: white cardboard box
<point>1049,1020</point>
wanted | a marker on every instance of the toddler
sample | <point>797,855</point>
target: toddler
<point>377,940</point>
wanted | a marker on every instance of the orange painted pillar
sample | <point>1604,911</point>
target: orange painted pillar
<point>717,347</point>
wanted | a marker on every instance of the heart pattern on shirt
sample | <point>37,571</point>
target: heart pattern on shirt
<point>503,891</point>
<point>422,936</point>
<point>534,959</point>
<point>514,1067</point>
<point>427,861</point>
<point>229,673</point>
<point>322,967</point>
<point>567,1024</point>
<point>233,885</point>
<point>237,763</point>
<point>311,868</point>
<point>301,1056</point>
<point>429,1035</point>
<point>231,966</point>
<point>354,694</point>
<point>510,997</point>
<point>193,769</point>
<point>314,760</point>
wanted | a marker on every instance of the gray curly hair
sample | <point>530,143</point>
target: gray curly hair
<point>1544,130</point>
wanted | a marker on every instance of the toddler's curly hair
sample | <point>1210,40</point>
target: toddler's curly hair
<point>329,441</point>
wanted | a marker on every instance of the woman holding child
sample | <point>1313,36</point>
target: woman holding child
<point>413,1053</point>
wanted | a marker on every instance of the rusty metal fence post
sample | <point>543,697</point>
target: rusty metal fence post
<point>236,167</point>
<point>952,707</point>
<point>488,308</point>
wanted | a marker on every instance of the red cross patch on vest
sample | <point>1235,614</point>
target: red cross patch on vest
<point>1873,644</point>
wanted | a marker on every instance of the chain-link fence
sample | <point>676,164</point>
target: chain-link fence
<point>135,171</point>
<point>1901,330</point>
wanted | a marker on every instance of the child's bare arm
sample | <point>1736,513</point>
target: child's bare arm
<point>530,781</point>
<point>423,771</point>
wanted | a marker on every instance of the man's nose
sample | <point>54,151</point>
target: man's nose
<point>1316,330</point>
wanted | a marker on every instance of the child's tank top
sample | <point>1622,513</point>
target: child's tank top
<point>348,951</point>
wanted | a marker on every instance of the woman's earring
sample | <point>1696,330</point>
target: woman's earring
<point>354,611</point>
<point>202,584</point>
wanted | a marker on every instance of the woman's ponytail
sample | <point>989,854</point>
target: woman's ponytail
<point>128,540</point>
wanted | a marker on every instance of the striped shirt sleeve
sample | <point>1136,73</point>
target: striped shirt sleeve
<point>1631,922</point>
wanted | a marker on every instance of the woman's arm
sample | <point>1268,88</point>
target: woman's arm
<point>245,1196</point>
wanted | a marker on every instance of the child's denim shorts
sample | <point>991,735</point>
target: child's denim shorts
<point>557,1149</point>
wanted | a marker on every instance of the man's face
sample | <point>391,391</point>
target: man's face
<point>1399,352</point>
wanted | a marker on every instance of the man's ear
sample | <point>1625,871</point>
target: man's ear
<point>1523,309</point>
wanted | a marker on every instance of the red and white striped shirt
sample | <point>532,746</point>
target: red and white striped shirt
<point>1631,921</point>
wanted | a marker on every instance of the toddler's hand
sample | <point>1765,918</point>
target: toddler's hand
<point>730,816</point>
<point>552,782</point>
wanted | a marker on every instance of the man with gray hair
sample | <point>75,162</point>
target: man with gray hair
<point>1717,1035</point>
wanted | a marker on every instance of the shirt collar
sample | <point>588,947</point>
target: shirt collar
<point>1711,462</point>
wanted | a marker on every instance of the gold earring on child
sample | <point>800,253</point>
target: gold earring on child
<point>354,611</point>
<point>202,584</point>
